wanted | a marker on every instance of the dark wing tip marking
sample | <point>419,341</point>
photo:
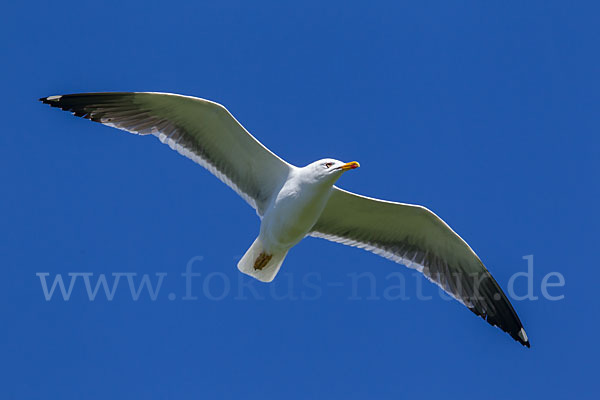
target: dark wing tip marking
<point>49,99</point>
<point>523,339</point>
<point>85,104</point>
<point>519,336</point>
<point>62,102</point>
<point>490,303</point>
<point>480,293</point>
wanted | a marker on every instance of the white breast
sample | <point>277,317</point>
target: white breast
<point>293,212</point>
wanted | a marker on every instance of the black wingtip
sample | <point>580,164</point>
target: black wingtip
<point>524,343</point>
<point>50,100</point>
<point>522,338</point>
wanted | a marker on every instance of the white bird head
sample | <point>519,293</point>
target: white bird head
<point>328,169</point>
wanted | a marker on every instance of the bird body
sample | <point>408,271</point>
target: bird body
<point>295,208</point>
<point>297,202</point>
<point>292,212</point>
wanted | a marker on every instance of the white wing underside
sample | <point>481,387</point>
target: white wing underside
<point>409,263</point>
<point>416,237</point>
<point>198,129</point>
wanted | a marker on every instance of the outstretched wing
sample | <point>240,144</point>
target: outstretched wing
<point>198,129</point>
<point>416,237</point>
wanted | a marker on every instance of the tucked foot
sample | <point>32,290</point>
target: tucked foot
<point>262,260</point>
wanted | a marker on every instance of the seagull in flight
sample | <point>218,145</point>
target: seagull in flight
<point>295,202</point>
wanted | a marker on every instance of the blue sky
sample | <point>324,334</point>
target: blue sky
<point>485,113</point>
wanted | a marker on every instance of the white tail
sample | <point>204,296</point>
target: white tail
<point>259,264</point>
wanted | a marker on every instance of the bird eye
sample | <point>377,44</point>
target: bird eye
<point>328,164</point>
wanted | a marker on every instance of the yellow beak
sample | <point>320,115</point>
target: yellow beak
<point>350,165</point>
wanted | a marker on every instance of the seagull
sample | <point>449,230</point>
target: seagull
<point>295,202</point>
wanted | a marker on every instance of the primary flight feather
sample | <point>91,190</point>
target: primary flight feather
<point>296,202</point>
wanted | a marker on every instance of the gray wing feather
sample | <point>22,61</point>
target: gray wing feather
<point>416,237</point>
<point>199,129</point>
